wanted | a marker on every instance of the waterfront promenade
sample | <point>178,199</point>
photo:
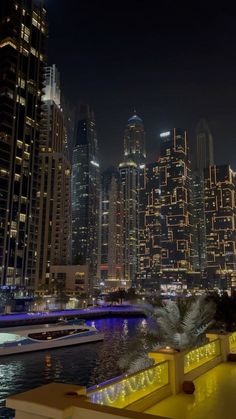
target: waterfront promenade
<point>20,319</point>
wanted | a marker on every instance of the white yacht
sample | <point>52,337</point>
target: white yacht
<point>17,340</point>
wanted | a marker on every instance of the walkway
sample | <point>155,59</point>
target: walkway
<point>214,397</point>
<point>92,312</point>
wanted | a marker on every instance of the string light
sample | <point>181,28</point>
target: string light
<point>131,388</point>
<point>232,341</point>
<point>201,355</point>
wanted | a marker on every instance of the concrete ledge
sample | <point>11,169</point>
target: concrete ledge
<point>148,401</point>
<point>202,369</point>
<point>65,401</point>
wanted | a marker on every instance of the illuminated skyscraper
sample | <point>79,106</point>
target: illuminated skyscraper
<point>86,193</point>
<point>204,158</point>
<point>204,147</point>
<point>131,172</point>
<point>54,237</point>
<point>22,49</point>
<point>149,225</point>
<point>134,140</point>
<point>129,178</point>
<point>176,237</point>
<point>220,213</point>
<point>111,258</point>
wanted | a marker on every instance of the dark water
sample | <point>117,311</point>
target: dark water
<point>83,365</point>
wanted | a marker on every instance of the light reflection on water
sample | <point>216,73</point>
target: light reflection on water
<point>83,365</point>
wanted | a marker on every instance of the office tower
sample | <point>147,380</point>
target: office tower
<point>204,158</point>
<point>129,178</point>
<point>199,224</point>
<point>134,140</point>
<point>22,49</point>
<point>176,237</point>
<point>111,236</point>
<point>54,235</point>
<point>85,194</point>
<point>204,147</point>
<point>149,225</point>
<point>220,213</point>
<point>131,173</point>
<point>69,112</point>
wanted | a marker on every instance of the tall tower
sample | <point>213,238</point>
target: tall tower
<point>176,238</point>
<point>111,259</point>
<point>220,192</point>
<point>204,147</point>
<point>131,173</point>
<point>85,193</point>
<point>149,225</point>
<point>134,140</point>
<point>54,190</point>
<point>22,49</point>
<point>203,159</point>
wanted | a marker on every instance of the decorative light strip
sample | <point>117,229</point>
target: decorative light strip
<point>201,355</point>
<point>232,341</point>
<point>128,389</point>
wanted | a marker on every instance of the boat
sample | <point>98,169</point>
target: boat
<point>17,340</point>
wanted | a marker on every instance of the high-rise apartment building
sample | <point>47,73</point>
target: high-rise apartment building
<point>204,147</point>
<point>85,194</point>
<point>131,172</point>
<point>220,213</point>
<point>111,233</point>
<point>22,49</point>
<point>149,225</point>
<point>134,140</point>
<point>54,194</point>
<point>204,158</point>
<point>176,235</point>
<point>129,180</point>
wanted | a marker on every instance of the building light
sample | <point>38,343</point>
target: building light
<point>165,134</point>
<point>94,163</point>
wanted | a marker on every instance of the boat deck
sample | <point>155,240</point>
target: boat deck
<point>214,397</point>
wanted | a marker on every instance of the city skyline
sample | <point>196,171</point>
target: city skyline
<point>169,70</point>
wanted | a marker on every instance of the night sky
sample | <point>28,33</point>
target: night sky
<point>170,61</point>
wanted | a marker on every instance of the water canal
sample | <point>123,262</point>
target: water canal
<point>83,365</point>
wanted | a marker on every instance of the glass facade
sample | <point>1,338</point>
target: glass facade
<point>22,49</point>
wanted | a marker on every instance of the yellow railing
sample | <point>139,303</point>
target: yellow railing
<point>232,342</point>
<point>201,355</point>
<point>131,388</point>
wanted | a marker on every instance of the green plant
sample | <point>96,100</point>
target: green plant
<point>179,324</point>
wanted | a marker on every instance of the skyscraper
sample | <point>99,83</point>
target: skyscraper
<point>54,237</point>
<point>131,172</point>
<point>22,49</point>
<point>204,147</point>
<point>220,212</point>
<point>85,193</point>
<point>149,225</point>
<point>129,178</point>
<point>111,237</point>
<point>134,140</point>
<point>204,158</point>
<point>176,237</point>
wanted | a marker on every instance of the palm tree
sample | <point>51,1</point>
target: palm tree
<point>179,325</point>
